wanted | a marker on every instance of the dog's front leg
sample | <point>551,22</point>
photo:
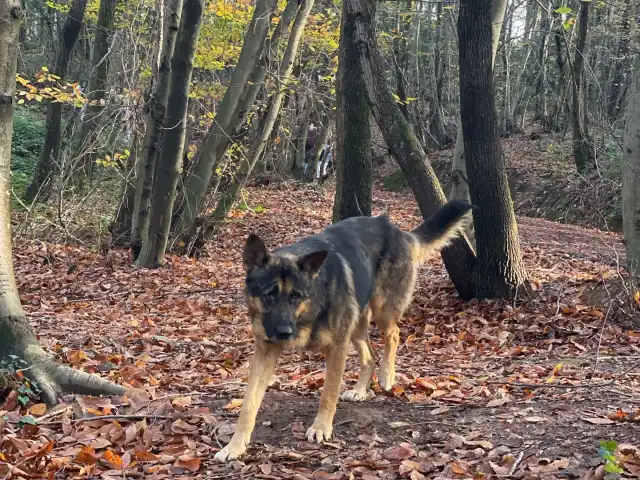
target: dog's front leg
<point>323,425</point>
<point>262,366</point>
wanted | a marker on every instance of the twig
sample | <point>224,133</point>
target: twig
<point>516,463</point>
<point>567,387</point>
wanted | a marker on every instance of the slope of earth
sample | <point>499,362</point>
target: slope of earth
<point>544,182</point>
<point>484,389</point>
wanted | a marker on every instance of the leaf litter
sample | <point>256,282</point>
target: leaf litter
<point>524,389</point>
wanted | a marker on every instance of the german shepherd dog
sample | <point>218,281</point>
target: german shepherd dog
<point>321,292</point>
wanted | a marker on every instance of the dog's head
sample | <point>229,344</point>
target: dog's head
<point>277,289</point>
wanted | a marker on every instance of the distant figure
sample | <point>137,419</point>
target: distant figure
<point>312,134</point>
<point>326,158</point>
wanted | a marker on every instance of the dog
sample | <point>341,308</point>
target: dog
<point>320,293</point>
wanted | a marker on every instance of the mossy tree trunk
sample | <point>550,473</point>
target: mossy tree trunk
<point>499,271</point>
<point>153,135</point>
<point>169,165</point>
<point>631,176</point>
<point>354,176</point>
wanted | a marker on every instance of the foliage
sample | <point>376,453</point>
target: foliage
<point>607,452</point>
<point>48,86</point>
<point>27,140</point>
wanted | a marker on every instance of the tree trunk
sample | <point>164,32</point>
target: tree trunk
<point>97,91</point>
<point>582,152</point>
<point>354,176</point>
<point>541,113</point>
<point>459,257</point>
<point>320,143</point>
<point>228,197</point>
<point>44,173</point>
<point>169,165</point>
<point>631,176</point>
<point>199,176</point>
<point>301,140</point>
<point>153,135</point>
<point>618,85</point>
<point>18,342</point>
<point>459,179</point>
<point>439,134</point>
<point>120,227</point>
<point>500,269</point>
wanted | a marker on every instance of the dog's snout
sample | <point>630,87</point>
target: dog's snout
<point>284,331</point>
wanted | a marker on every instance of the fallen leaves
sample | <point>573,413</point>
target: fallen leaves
<point>181,336</point>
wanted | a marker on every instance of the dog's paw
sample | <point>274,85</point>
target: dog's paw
<point>357,395</point>
<point>319,432</point>
<point>229,453</point>
<point>387,378</point>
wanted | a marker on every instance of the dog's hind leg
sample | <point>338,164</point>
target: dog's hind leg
<point>322,427</point>
<point>386,314</point>
<point>262,366</point>
<point>360,340</point>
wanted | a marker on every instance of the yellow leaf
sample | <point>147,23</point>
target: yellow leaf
<point>113,460</point>
<point>38,409</point>
<point>234,404</point>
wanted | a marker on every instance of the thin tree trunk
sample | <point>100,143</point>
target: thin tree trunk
<point>199,176</point>
<point>320,143</point>
<point>499,271</point>
<point>97,92</point>
<point>541,112</point>
<point>618,85</point>
<point>169,165</point>
<point>459,257</point>
<point>354,176</point>
<point>631,176</point>
<point>301,139</point>
<point>459,180</point>
<point>439,134</point>
<point>18,342</point>
<point>120,227</point>
<point>46,168</point>
<point>153,135</point>
<point>228,197</point>
<point>581,143</point>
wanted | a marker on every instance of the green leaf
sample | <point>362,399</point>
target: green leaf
<point>563,10</point>
<point>27,420</point>
<point>259,209</point>
<point>613,468</point>
<point>609,445</point>
<point>23,399</point>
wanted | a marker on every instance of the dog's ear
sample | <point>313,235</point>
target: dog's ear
<point>255,253</point>
<point>312,262</point>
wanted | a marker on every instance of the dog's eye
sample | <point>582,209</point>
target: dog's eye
<point>273,293</point>
<point>296,295</point>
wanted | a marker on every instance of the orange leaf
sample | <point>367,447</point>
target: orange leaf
<point>234,404</point>
<point>188,463</point>
<point>144,456</point>
<point>38,409</point>
<point>87,456</point>
<point>458,469</point>
<point>113,459</point>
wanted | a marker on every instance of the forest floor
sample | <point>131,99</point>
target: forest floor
<point>485,389</point>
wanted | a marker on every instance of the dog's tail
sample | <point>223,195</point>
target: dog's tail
<point>438,230</point>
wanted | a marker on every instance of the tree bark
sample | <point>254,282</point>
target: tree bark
<point>500,270</point>
<point>320,143</point>
<point>169,165</point>
<point>17,339</point>
<point>582,152</point>
<point>541,111</point>
<point>153,135</point>
<point>459,257</point>
<point>45,171</point>
<point>354,176</point>
<point>228,197</point>
<point>97,90</point>
<point>459,179</point>
<point>437,129</point>
<point>199,176</point>
<point>631,176</point>
<point>618,85</point>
